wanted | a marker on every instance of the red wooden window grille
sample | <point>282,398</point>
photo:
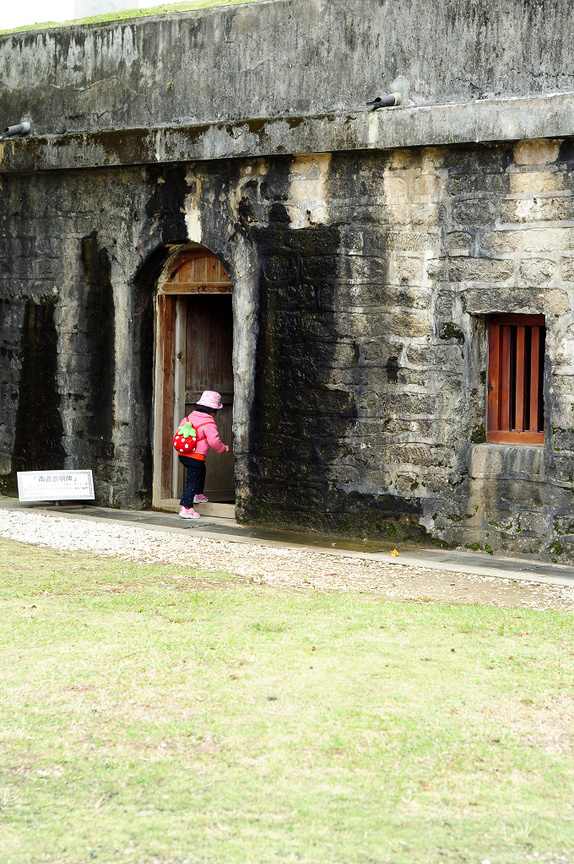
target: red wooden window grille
<point>515,375</point>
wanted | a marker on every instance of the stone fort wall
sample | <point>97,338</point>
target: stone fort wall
<point>282,58</point>
<point>367,252</point>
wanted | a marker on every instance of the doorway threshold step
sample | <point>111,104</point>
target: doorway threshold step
<point>212,508</point>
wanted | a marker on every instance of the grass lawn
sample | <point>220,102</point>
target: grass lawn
<point>123,14</point>
<point>150,715</point>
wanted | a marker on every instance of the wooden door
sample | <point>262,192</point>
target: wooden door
<point>194,344</point>
<point>208,366</point>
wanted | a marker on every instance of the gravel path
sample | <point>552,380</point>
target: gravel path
<point>281,567</point>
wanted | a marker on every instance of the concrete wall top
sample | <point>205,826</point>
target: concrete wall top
<point>281,58</point>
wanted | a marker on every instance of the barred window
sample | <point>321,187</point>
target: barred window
<point>515,377</point>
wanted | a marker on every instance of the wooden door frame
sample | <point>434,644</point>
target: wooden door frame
<point>169,374</point>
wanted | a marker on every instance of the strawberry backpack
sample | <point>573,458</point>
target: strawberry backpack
<point>185,438</point>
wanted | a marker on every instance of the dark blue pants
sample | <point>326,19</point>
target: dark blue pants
<point>195,479</point>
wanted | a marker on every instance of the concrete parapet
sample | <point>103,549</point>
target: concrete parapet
<point>429,126</point>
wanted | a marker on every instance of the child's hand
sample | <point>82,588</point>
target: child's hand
<point>226,448</point>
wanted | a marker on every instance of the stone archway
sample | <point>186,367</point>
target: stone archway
<point>193,352</point>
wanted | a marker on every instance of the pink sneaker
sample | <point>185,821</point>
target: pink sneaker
<point>200,499</point>
<point>188,513</point>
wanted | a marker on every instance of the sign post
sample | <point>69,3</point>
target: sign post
<point>55,486</point>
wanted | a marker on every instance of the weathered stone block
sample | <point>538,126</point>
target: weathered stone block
<point>399,428</point>
<point>481,270</point>
<point>563,439</point>
<point>536,182</point>
<point>459,242</point>
<point>433,356</point>
<point>405,377</point>
<point>375,351</point>
<point>444,304</point>
<point>485,300</point>
<point>361,240</point>
<point>536,152</point>
<point>408,296</point>
<point>412,214</point>
<point>372,403</point>
<point>406,484</point>
<point>564,467</point>
<point>419,454</point>
<point>555,239</point>
<point>397,187</point>
<point>409,325</point>
<point>537,271</point>
<point>557,303</point>
<point>426,187</point>
<point>534,523</point>
<point>371,215</point>
<point>435,482</point>
<point>344,296</point>
<point>464,269</point>
<point>467,184</point>
<point>411,405</point>
<point>507,495</point>
<point>506,460</point>
<point>412,241</point>
<point>551,209</point>
<point>564,524</point>
<point>363,269</point>
<point>406,269</point>
<point>446,381</point>
<point>343,474</point>
<point>480,211</point>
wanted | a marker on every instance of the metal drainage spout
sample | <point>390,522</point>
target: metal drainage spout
<point>388,101</point>
<point>19,130</point>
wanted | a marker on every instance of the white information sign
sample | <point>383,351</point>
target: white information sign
<point>55,486</point>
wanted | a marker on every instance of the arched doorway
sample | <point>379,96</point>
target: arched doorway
<point>193,353</point>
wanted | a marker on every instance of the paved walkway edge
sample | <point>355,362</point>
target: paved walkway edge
<point>227,530</point>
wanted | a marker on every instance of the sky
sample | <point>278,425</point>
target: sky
<point>21,12</point>
<point>34,12</point>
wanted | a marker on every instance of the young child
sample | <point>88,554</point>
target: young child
<point>207,436</point>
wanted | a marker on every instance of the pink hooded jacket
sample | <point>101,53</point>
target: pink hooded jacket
<point>207,435</point>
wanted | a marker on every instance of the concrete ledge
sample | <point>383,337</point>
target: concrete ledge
<point>386,129</point>
<point>489,461</point>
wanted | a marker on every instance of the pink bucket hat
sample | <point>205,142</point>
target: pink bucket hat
<point>210,399</point>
